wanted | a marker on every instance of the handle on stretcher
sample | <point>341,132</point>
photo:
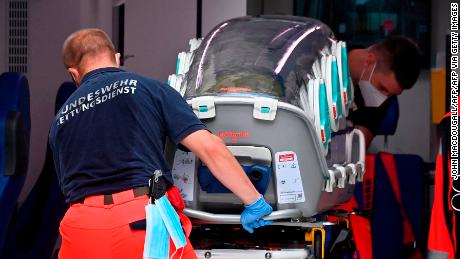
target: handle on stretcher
<point>235,218</point>
<point>362,153</point>
<point>361,146</point>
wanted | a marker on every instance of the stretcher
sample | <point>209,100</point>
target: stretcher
<point>277,90</point>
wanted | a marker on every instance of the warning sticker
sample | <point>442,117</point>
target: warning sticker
<point>288,180</point>
<point>183,173</point>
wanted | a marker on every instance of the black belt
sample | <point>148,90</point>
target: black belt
<point>108,198</point>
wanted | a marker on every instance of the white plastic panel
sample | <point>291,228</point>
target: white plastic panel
<point>255,153</point>
<point>265,108</point>
<point>323,67</point>
<point>316,110</point>
<point>204,107</point>
<point>344,94</point>
<point>175,81</point>
<point>317,69</point>
<point>329,90</point>
<point>194,43</point>
<point>311,94</point>
<point>333,47</point>
<point>322,121</point>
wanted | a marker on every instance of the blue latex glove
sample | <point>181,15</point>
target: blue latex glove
<point>252,215</point>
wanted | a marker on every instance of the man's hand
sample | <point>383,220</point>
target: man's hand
<point>252,215</point>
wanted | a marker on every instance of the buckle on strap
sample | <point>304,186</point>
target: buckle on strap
<point>158,185</point>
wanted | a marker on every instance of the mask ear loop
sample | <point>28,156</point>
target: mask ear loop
<point>362,74</point>
<point>73,78</point>
<point>181,253</point>
<point>372,72</point>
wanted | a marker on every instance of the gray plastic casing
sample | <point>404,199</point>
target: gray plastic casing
<point>291,130</point>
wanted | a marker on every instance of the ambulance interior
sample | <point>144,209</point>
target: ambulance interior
<point>272,80</point>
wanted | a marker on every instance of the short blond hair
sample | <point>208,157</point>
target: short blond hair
<point>84,44</point>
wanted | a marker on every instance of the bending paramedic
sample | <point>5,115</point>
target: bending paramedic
<point>107,141</point>
<point>385,69</point>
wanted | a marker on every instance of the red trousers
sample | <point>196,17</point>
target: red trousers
<point>95,230</point>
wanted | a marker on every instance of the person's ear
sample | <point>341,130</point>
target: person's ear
<point>371,58</point>
<point>117,59</point>
<point>74,74</point>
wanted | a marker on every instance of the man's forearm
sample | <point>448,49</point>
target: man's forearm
<point>212,151</point>
<point>227,170</point>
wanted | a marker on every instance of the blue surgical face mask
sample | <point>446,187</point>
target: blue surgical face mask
<point>171,221</point>
<point>156,245</point>
<point>163,217</point>
<point>371,95</point>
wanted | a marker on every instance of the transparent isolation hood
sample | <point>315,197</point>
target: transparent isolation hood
<point>268,56</point>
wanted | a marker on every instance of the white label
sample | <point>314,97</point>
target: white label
<point>183,173</point>
<point>288,180</point>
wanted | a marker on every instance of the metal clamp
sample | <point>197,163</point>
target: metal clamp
<point>360,171</point>
<point>353,175</point>
<point>330,183</point>
<point>343,171</point>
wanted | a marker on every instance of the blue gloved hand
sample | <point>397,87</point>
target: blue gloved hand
<point>252,215</point>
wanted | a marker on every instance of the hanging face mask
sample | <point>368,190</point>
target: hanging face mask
<point>156,243</point>
<point>171,221</point>
<point>372,97</point>
<point>164,221</point>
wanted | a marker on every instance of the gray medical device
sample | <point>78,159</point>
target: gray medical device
<point>260,83</point>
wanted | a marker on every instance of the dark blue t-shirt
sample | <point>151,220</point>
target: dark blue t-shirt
<point>369,117</point>
<point>110,134</point>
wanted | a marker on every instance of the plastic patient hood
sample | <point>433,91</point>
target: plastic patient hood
<point>273,88</point>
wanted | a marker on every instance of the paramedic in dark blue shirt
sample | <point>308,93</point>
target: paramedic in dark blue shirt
<point>380,71</point>
<point>108,139</point>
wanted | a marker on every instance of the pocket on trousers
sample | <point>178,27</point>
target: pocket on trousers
<point>138,225</point>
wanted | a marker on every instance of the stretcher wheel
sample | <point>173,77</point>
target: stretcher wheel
<point>318,245</point>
